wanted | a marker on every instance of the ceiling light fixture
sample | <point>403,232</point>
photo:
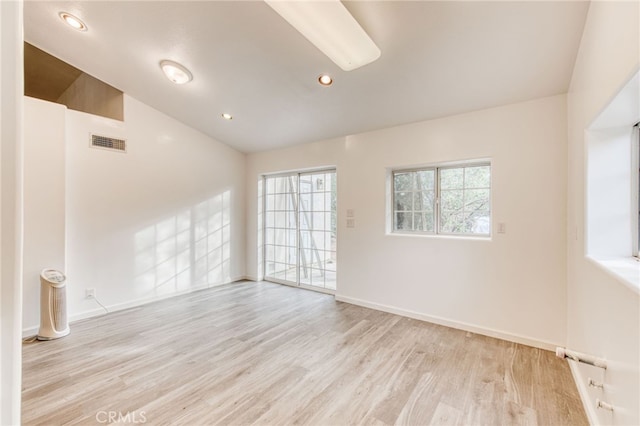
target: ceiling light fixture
<point>175,72</point>
<point>325,80</point>
<point>332,29</point>
<point>227,116</point>
<point>74,22</point>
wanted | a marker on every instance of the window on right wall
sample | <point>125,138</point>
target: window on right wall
<point>635,187</point>
<point>447,200</point>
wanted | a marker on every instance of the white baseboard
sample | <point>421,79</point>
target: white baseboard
<point>29,331</point>
<point>587,402</point>
<point>528,341</point>
<point>245,278</point>
<point>32,330</point>
<point>130,304</point>
<point>252,278</point>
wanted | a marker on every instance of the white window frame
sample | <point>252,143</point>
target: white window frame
<point>610,213</point>
<point>393,200</point>
<point>635,190</point>
<point>437,199</point>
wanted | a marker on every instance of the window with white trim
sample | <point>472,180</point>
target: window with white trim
<point>635,182</point>
<point>450,200</point>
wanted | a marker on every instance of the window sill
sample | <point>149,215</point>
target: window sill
<point>624,269</point>
<point>439,236</point>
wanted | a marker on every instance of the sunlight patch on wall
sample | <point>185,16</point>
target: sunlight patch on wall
<point>187,251</point>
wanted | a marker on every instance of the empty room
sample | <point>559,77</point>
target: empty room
<point>320,212</point>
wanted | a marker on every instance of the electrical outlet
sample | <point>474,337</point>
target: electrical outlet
<point>90,293</point>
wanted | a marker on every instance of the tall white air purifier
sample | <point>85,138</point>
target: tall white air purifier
<point>53,305</point>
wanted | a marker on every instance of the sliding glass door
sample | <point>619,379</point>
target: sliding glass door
<point>281,228</point>
<point>300,229</point>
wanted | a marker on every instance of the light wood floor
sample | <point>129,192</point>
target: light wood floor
<point>261,353</point>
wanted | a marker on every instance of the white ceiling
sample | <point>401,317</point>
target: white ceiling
<point>438,59</point>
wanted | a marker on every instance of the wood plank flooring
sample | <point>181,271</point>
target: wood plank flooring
<point>266,354</point>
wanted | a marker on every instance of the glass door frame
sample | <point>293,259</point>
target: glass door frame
<point>298,283</point>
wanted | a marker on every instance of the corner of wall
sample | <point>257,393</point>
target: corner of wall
<point>11,208</point>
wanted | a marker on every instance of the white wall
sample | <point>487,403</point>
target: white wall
<point>603,313</point>
<point>11,88</point>
<point>165,217</point>
<point>44,205</point>
<point>513,285</point>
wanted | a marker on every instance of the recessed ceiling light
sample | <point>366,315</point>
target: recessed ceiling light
<point>325,80</point>
<point>227,116</point>
<point>176,72</point>
<point>72,21</point>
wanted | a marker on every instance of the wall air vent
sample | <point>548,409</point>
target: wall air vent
<point>106,142</point>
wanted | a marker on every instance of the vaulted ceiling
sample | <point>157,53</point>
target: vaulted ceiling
<point>438,58</point>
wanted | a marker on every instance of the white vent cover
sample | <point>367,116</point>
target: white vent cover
<point>105,142</point>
